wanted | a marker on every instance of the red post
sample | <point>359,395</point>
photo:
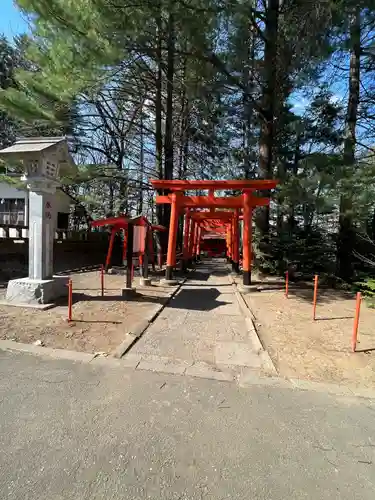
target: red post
<point>211,196</point>
<point>356,322</point>
<point>195,240</point>
<point>229,242</point>
<point>315,295</point>
<point>199,242</point>
<point>172,236</point>
<point>102,279</point>
<point>286,283</point>
<point>247,238</point>
<point>141,262</point>
<point>236,242</point>
<point>191,238</point>
<point>186,239</point>
<point>110,248</point>
<point>70,300</point>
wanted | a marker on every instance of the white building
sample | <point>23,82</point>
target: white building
<point>14,207</point>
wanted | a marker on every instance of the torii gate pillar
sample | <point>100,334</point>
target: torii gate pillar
<point>172,238</point>
<point>236,243</point>
<point>247,237</point>
<point>185,250</point>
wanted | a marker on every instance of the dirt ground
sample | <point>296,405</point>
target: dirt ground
<point>99,324</point>
<point>317,350</point>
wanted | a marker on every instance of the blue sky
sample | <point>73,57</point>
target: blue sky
<point>11,20</point>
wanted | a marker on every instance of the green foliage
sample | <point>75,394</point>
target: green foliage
<point>302,253</point>
<point>101,71</point>
<point>8,63</point>
<point>367,288</point>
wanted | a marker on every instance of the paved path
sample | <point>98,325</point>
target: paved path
<point>203,327</point>
<point>72,431</point>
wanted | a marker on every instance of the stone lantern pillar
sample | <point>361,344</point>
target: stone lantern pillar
<point>43,160</point>
<point>41,228</point>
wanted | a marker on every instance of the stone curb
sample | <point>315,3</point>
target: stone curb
<point>161,366</point>
<point>125,345</point>
<point>251,328</point>
<point>132,336</point>
<point>242,303</point>
<point>203,370</point>
<point>132,361</point>
<point>135,333</point>
<point>253,334</point>
<point>324,387</point>
<point>10,345</point>
<point>267,364</point>
<point>250,378</point>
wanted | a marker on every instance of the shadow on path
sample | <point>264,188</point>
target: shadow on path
<point>199,276</point>
<point>197,299</point>
<point>79,297</point>
<point>334,318</point>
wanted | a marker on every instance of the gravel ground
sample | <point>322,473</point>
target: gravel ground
<point>99,323</point>
<point>318,350</point>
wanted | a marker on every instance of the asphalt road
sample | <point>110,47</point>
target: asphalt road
<point>79,431</point>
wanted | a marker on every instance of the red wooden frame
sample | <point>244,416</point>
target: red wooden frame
<point>228,220</point>
<point>121,223</point>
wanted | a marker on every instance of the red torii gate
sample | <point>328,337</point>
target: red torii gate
<point>213,239</point>
<point>179,203</point>
<point>137,240</point>
<point>217,222</point>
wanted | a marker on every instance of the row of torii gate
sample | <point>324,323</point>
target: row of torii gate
<point>215,213</point>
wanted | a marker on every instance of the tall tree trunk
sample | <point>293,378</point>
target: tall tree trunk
<point>111,200</point>
<point>141,166</point>
<point>168,135</point>
<point>123,192</point>
<point>372,227</point>
<point>296,160</point>
<point>183,123</point>
<point>168,138</point>
<point>158,128</point>
<point>186,144</point>
<point>266,139</point>
<point>182,141</point>
<point>158,123</point>
<point>345,240</point>
<point>248,107</point>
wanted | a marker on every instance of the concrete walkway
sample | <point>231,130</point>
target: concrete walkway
<point>203,329</point>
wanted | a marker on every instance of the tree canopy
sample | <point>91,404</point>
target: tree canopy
<point>207,90</point>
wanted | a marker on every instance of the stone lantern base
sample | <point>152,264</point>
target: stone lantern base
<point>26,291</point>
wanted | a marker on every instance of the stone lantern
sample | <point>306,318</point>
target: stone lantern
<point>43,160</point>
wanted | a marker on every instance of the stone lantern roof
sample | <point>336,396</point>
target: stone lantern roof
<point>42,156</point>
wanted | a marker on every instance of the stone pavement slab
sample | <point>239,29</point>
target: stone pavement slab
<point>237,353</point>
